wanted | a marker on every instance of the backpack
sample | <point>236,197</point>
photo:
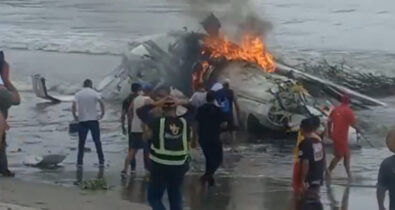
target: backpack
<point>223,103</point>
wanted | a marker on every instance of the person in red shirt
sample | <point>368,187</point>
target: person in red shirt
<point>340,120</point>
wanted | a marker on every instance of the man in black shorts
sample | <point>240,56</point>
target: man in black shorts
<point>137,129</point>
<point>136,88</point>
<point>313,165</point>
<point>227,100</point>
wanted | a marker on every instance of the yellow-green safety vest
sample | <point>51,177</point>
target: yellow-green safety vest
<point>165,156</point>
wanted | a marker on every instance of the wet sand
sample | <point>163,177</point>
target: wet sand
<point>257,178</point>
<point>41,196</point>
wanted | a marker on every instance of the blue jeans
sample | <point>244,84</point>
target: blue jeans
<point>84,128</point>
<point>168,178</point>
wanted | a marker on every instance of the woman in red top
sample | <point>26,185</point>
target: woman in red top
<point>340,120</point>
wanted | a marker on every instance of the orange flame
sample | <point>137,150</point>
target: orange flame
<point>198,76</point>
<point>251,49</point>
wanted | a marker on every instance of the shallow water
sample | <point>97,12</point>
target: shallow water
<point>359,31</point>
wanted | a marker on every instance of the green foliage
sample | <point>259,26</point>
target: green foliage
<point>96,184</point>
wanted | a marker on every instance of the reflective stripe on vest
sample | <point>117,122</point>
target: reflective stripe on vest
<point>172,155</point>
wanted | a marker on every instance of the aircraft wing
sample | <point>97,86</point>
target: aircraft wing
<point>333,89</point>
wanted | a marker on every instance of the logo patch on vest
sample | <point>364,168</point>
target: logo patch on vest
<point>175,130</point>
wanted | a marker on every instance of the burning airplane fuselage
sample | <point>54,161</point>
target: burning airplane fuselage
<point>182,59</point>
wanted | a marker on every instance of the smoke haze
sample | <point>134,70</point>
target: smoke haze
<point>237,16</point>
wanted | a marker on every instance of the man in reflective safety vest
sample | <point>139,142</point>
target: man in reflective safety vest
<point>169,151</point>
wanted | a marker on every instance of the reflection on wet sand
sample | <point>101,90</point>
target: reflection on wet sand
<point>80,175</point>
<point>231,193</point>
<point>334,204</point>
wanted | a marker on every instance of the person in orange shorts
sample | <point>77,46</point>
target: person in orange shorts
<point>340,120</point>
<point>296,184</point>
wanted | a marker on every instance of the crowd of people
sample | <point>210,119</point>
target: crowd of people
<point>166,126</point>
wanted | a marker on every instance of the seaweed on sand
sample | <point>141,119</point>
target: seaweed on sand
<point>96,184</point>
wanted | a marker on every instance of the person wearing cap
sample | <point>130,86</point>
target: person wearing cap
<point>340,120</point>
<point>137,129</point>
<point>227,100</point>
<point>9,96</point>
<point>386,177</point>
<point>169,150</point>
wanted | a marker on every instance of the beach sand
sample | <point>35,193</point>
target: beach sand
<point>21,195</point>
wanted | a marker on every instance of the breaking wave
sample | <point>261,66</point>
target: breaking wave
<point>52,41</point>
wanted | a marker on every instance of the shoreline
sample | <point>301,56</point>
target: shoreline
<point>254,179</point>
<point>30,196</point>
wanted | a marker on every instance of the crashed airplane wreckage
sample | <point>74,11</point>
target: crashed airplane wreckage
<point>271,95</point>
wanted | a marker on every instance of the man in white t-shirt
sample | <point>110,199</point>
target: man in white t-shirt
<point>199,97</point>
<point>137,130</point>
<point>85,104</point>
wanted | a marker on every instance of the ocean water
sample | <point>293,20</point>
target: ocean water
<point>105,27</point>
<point>68,41</point>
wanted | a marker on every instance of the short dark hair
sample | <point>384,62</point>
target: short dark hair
<point>88,83</point>
<point>136,87</point>
<point>316,122</point>
<point>210,97</point>
<point>311,124</point>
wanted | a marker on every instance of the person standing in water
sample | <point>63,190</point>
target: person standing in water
<point>137,129</point>
<point>227,100</point>
<point>312,165</point>
<point>209,119</point>
<point>85,104</point>
<point>340,120</point>
<point>386,177</point>
<point>9,96</point>
<point>135,88</point>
